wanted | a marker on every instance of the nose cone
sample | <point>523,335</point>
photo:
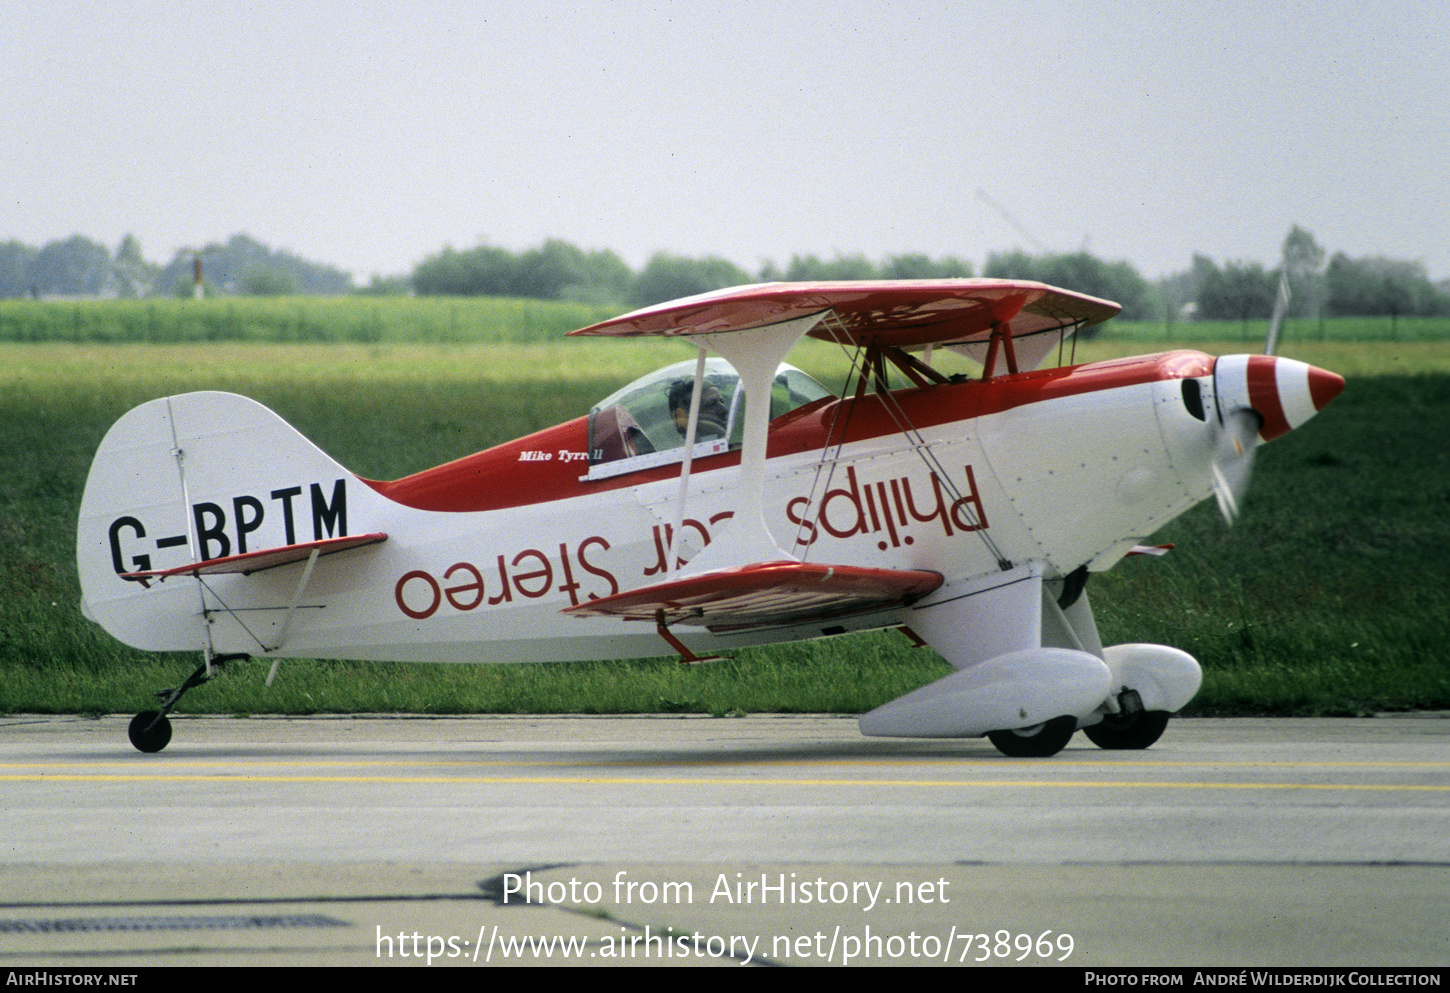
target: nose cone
<point>1283,392</point>
<point>1323,387</point>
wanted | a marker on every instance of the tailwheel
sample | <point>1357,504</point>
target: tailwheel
<point>150,731</point>
<point>1036,742</point>
<point>1136,729</point>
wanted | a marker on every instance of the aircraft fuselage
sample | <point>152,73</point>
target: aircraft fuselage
<point>1067,468</point>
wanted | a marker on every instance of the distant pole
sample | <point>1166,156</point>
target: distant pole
<point>982,196</point>
<point>196,277</point>
<point>1281,308</point>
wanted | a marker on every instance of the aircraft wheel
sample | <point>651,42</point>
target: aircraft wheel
<point>1036,742</point>
<point>1138,730</point>
<point>148,738</point>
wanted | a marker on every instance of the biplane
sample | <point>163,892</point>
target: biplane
<point>725,501</point>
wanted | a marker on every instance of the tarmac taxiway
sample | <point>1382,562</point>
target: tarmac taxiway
<point>690,840</point>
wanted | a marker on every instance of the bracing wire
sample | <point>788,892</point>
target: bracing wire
<point>861,367</point>
<point>229,611</point>
<point>832,324</point>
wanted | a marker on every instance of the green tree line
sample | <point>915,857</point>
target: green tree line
<point>1320,284</point>
<point>240,266</point>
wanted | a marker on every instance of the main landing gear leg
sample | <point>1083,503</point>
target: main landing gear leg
<point>150,731</point>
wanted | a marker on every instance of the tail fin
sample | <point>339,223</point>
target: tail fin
<point>195,478</point>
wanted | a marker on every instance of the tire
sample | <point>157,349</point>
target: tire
<point>1036,742</point>
<point>1120,731</point>
<point>147,737</point>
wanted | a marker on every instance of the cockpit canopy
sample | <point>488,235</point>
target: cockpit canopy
<point>643,425</point>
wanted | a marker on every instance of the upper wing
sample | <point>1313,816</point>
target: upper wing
<point>765,594</point>
<point>902,313</point>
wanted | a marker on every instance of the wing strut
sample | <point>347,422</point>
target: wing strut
<point>755,353</point>
<point>1001,341</point>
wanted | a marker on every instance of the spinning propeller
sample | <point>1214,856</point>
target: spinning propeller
<point>1238,434</point>
<point>1258,398</point>
<point>1233,459</point>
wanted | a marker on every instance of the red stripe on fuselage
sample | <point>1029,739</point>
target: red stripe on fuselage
<point>546,466</point>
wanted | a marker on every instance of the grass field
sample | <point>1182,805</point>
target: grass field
<point>365,320</point>
<point>1329,596</point>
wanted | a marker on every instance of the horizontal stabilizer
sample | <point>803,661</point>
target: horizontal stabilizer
<point>765,594</point>
<point>266,558</point>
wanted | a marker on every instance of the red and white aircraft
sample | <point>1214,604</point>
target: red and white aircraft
<point>675,518</point>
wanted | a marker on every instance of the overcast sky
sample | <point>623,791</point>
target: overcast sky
<point>368,135</point>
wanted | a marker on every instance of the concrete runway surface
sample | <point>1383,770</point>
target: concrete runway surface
<point>761,840</point>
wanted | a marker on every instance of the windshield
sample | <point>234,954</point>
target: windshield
<point>644,424</point>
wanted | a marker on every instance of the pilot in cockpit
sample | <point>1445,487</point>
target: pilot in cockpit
<point>714,412</point>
